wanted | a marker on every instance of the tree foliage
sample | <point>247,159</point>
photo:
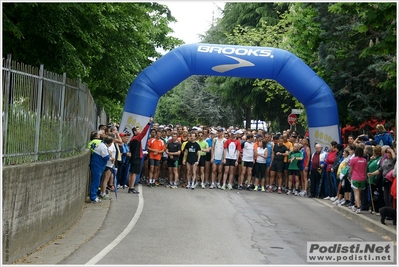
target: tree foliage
<point>352,46</point>
<point>104,44</point>
<point>189,103</point>
<point>357,56</point>
<point>250,24</point>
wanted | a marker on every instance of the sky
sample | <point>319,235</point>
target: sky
<point>193,18</point>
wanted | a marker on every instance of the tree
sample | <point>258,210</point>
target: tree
<point>104,44</point>
<point>247,15</point>
<point>190,103</point>
<point>357,56</point>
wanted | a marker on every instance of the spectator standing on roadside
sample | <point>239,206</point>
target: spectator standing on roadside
<point>343,189</point>
<point>373,182</point>
<point>329,160</point>
<point>338,159</point>
<point>316,166</point>
<point>357,174</point>
<point>382,137</point>
<point>98,162</point>
<point>124,167</point>
<point>387,165</point>
<point>95,140</point>
<point>107,178</point>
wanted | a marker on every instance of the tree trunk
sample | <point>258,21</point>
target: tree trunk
<point>247,118</point>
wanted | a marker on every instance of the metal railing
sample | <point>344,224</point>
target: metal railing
<point>45,115</point>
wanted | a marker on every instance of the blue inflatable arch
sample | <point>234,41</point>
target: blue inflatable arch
<point>235,61</point>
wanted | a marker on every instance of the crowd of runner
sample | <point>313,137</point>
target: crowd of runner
<point>238,159</point>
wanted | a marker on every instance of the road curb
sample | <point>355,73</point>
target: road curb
<point>374,225</point>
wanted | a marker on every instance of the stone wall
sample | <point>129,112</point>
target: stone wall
<point>41,201</point>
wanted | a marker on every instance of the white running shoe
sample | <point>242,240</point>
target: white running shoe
<point>203,185</point>
<point>211,186</point>
<point>333,199</point>
<point>230,187</point>
<point>326,198</point>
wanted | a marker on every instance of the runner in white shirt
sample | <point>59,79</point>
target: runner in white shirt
<point>261,155</point>
<point>247,159</point>
<point>217,156</point>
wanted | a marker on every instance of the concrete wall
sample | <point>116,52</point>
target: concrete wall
<point>40,202</point>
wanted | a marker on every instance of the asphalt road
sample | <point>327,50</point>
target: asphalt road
<point>213,227</point>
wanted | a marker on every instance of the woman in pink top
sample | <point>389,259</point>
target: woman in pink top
<point>357,174</point>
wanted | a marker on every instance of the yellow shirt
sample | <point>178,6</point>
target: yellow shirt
<point>289,145</point>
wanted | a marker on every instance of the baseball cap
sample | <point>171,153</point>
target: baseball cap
<point>258,135</point>
<point>220,129</point>
<point>239,132</point>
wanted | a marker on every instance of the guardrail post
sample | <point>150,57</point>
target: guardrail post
<point>6,103</point>
<point>39,111</point>
<point>62,105</point>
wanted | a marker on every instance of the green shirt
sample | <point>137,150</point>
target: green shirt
<point>372,166</point>
<point>204,145</point>
<point>294,166</point>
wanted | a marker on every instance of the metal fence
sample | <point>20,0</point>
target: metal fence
<point>45,115</point>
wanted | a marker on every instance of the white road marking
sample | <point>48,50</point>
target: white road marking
<point>122,235</point>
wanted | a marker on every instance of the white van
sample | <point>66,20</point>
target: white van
<point>262,125</point>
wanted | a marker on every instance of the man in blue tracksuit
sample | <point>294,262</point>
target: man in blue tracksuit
<point>98,162</point>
